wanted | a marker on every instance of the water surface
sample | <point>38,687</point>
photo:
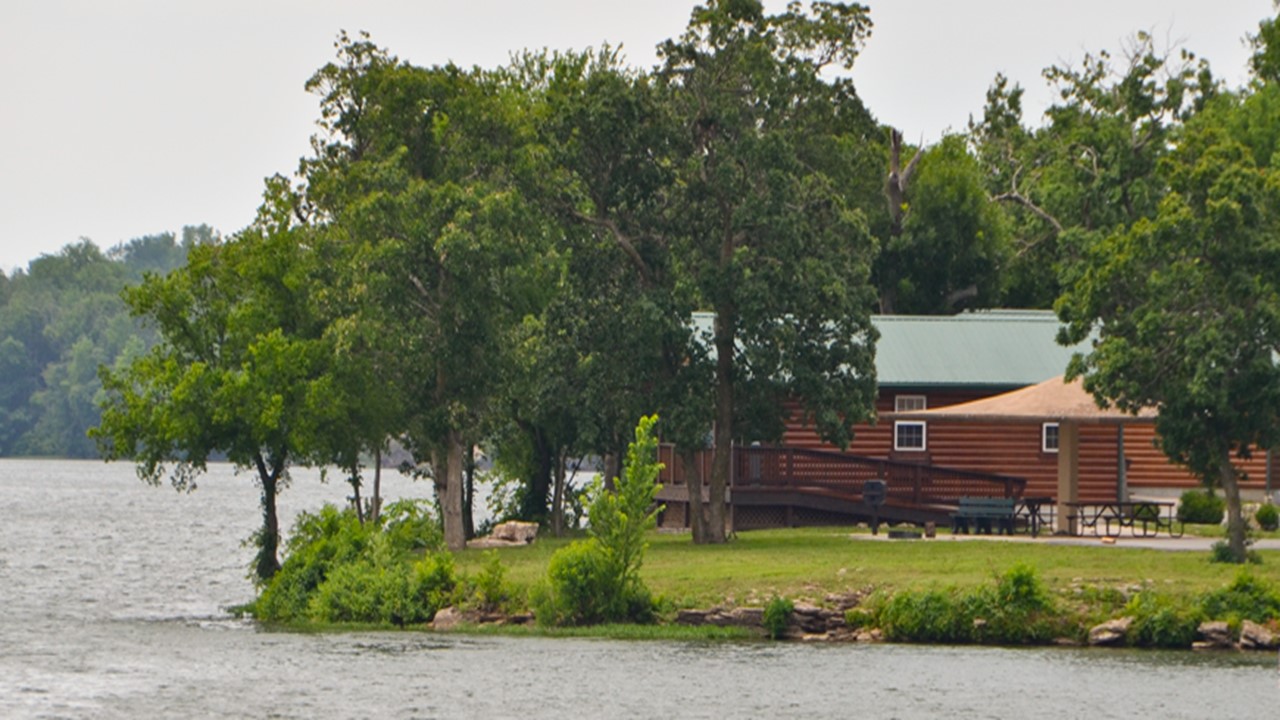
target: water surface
<point>113,597</point>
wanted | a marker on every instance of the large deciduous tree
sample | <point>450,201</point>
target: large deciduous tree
<point>243,368</point>
<point>414,180</point>
<point>1186,306</point>
<point>760,223</point>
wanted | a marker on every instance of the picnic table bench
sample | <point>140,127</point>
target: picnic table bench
<point>1144,518</point>
<point>982,514</point>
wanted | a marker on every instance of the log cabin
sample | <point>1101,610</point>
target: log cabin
<point>924,363</point>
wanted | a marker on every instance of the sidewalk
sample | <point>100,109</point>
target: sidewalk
<point>1186,543</point>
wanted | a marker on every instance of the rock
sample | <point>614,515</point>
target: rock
<point>1257,637</point>
<point>1214,635</point>
<point>446,619</point>
<point>806,609</point>
<point>844,602</point>
<point>1111,632</point>
<point>691,617</point>
<point>515,531</point>
<point>747,616</point>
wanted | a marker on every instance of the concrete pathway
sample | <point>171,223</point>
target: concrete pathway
<point>1186,543</point>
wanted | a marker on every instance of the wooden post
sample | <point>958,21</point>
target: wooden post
<point>1122,469</point>
<point>1068,475</point>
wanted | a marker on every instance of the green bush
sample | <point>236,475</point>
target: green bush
<point>490,590</point>
<point>1016,610</point>
<point>1162,621</point>
<point>1199,507</point>
<point>1220,552</point>
<point>318,543</point>
<point>926,616</point>
<point>777,615</point>
<point>1268,517</point>
<point>337,569</point>
<point>1246,598</point>
<point>598,580</point>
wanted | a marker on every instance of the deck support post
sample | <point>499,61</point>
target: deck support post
<point>1068,476</point>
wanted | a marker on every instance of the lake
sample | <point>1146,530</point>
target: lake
<point>113,597</point>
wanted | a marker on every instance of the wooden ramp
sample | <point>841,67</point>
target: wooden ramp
<point>772,487</point>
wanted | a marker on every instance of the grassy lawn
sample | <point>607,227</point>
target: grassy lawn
<point>813,562</point>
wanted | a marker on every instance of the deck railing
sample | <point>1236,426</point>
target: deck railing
<point>778,469</point>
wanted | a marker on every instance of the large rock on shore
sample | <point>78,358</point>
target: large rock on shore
<point>1257,637</point>
<point>1111,632</point>
<point>507,534</point>
<point>1215,635</point>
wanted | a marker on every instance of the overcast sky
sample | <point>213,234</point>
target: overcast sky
<point>126,118</point>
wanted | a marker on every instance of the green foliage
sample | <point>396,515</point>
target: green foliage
<point>1222,552</point>
<point>1162,621</point>
<point>339,570</point>
<point>777,616</point>
<point>60,320</point>
<point>1017,609</point>
<point>1267,517</point>
<point>1200,507</point>
<point>1246,598</point>
<point>489,589</point>
<point>598,580</point>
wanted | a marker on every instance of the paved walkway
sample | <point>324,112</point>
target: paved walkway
<point>1185,543</point>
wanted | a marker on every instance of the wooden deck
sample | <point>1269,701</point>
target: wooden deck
<point>789,486</point>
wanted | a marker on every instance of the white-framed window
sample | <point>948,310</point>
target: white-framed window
<point>909,435</point>
<point>1049,437</point>
<point>909,403</point>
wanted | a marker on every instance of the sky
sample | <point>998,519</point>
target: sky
<point>128,118</point>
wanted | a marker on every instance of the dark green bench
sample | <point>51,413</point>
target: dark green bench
<point>982,514</point>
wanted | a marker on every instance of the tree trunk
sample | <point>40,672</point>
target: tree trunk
<point>612,469</point>
<point>693,481</point>
<point>533,506</point>
<point>375,503</point>
<point>267,564</point>
<point>469,492</point>
<point>354,481</point>
<point>722,454</point>
<point>1235,518</point>
<point>447,468</point>
<point>557,499</point>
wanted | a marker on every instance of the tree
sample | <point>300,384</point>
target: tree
<point>1091,169</point>
<point>759,222</point>
<point>413,179</point>
<point>947,242</point>
<point>1186,309</point>
<point>243,368</point>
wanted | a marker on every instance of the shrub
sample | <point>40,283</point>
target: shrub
<point>1162,621</point>
<point>1246,598</point>
<point>1199,507</point>
<point>1017,609</point>
<point>318,543</point>
<point>777,615</point>
<point>1268,517</point>
<point>579,589</point>
<point>598,580</point>
<point>340,570</point>
<point>1220,552</point>
<point>490,590</point>
<point>929,616</point>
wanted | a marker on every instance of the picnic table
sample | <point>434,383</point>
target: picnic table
<point>1038,511</point>
<point>1144,518</point>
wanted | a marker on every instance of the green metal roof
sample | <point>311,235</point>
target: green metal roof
<point>992,348</point>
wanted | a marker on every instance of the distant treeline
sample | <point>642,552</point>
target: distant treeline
<point>59,320</point>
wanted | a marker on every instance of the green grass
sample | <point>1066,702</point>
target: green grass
<point>814,562</point>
